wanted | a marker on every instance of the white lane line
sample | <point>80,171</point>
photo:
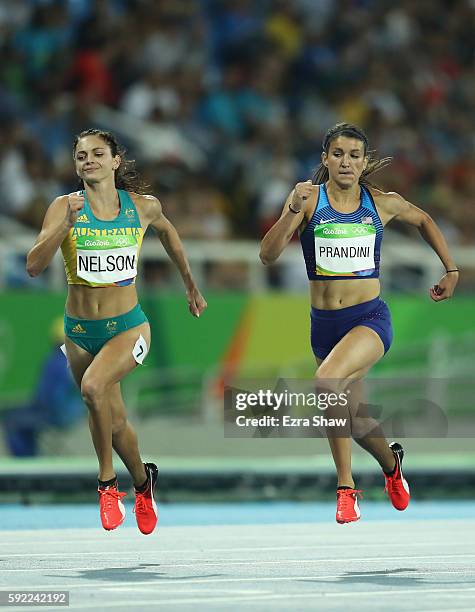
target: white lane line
<point>203,550</point>
<point>314,539</point>
<point>159,550</point>
<point>247,562</point>
<point>453,610</point>
<point>267,531</point>
<point>85,584</point>
<point>312,531</point>
<point>173,591</point>
<point>324,578</point>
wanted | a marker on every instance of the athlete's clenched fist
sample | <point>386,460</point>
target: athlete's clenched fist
<point>75,205</point>
<point>302,191</point>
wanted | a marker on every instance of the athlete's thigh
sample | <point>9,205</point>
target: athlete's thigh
<point>354,354</point>
<point>115,359</point>
<point>79,359</point>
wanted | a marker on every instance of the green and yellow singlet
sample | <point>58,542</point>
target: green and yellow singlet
<point>101,253</point>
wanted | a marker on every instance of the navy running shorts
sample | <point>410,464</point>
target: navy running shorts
<point>329,326</point>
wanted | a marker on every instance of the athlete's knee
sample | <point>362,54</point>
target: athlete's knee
<point>92,390</point>
<point>328,377</point>
<point>119,425</point>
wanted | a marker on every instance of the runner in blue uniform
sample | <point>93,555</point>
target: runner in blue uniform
<point>340,216</point>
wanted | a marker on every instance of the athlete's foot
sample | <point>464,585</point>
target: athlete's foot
<point>347,509</point>
<point>145,507</point>
<point>396,485</point>
<point>111,508</point>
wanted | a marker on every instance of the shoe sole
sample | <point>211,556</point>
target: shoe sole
<point>154,477</point>
<point>399,453</point>
<point>112,528</point>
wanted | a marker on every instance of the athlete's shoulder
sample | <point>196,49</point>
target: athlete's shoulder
<point>56,210</point>
<point>143,199</point>
<point>63,199</point>
<point>148,206</point>
<point>386,199</point>
<point>389,204</point>
<point>60,203</point>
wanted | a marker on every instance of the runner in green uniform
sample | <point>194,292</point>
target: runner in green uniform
<point>100,231</point>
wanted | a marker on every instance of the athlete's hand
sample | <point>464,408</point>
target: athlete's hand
<point>75,205</point>
<point>446,287</point>
<point>196,302</point>
<point>302,191</point>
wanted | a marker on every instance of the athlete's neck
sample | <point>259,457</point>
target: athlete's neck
<point>343,198</point>
<point>102,196</point>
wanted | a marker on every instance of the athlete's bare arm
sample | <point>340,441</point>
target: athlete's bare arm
<point>278,237</point>
<point>151,214</point>
<point>393,206</point>
<point>59,219</point>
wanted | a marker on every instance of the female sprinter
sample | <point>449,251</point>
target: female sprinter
<point>340,217</point>
<point>100,231</point>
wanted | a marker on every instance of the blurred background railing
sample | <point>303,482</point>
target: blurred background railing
<point>407,265</point>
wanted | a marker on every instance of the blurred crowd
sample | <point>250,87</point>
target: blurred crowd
<point>224,102</point>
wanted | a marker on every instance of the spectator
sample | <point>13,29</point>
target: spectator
<point>239,91</point>
<point>55,403</point>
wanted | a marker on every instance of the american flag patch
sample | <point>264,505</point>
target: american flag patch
<point>367,220</point>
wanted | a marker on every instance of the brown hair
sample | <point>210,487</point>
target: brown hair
<point>321,174</point>
<point>126,175</point>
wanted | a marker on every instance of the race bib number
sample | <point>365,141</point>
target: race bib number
<point>140,350</point>
<point>110,259</point>
<point>344,249</point>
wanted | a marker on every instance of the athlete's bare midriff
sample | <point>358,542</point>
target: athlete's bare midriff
<point>336,294</point>
<point>99,302</point>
